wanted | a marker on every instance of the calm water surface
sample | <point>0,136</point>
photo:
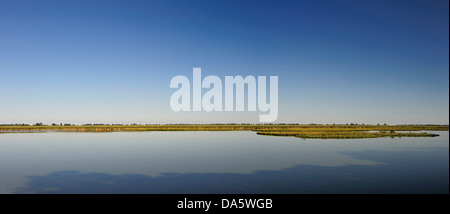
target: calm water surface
<point>219,162</point>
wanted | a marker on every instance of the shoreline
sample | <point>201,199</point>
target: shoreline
<point>299,131</point>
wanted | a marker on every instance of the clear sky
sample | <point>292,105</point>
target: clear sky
<point>84,61</point>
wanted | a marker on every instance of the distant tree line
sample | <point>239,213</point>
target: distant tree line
<point>15,124</point>
<point>135,124</point>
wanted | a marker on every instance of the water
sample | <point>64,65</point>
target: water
<point>219,162</point>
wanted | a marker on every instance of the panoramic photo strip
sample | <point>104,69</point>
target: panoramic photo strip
<point>224,105</point>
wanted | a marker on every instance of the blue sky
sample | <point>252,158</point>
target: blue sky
<point>370,61</point>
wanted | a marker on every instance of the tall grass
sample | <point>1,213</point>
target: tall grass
<point>301,131</point>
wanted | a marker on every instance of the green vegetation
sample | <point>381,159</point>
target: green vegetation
<point>294,130</point>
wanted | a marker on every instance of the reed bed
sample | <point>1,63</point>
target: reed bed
<point>300,131</point>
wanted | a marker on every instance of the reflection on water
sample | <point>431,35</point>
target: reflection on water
<point>219,162</point>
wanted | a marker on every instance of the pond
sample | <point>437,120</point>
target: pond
<point>219,162</point>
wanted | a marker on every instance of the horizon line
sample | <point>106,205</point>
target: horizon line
<point>148,124</point>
